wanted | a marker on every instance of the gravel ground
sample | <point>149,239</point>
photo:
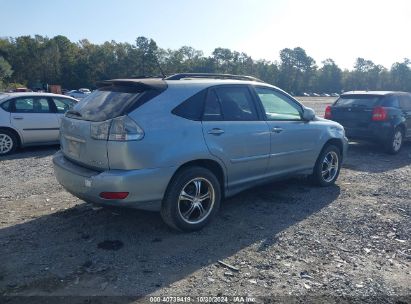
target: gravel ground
<point>350,241</point>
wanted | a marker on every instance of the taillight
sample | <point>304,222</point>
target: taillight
<point>113,195</point>
<point>99,130</point>
<point>379,114</point>
<point>327,114</point>
<point>118,129</point>
<point>123,128</point>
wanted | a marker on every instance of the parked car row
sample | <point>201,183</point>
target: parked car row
<point>321,95</point>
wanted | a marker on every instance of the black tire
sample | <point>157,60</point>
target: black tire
<point>7,138</point>
<point>173,208</point>
<point>394,144</point>
<point>318,178</point>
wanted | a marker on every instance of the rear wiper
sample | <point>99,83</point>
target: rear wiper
<point>73,112</point>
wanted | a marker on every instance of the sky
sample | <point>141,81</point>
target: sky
<point>341,30</point>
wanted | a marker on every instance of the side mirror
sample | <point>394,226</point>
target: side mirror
<point>308,114</point>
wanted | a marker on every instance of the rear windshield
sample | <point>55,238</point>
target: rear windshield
<point>105,103</point>
<point>365,101</point>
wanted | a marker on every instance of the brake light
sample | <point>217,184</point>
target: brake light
<point>124,128</point>
<point>113,195</point>
<point>379,114</point>
<point>327,114</point>
<point>121,128</point>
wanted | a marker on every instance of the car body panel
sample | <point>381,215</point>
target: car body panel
<point>77,145</point>
<point>146,187</point>
<point>295,147</point>
<point>36,127</point>
<point>243,147</point>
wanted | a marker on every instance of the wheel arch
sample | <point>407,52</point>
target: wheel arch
<point>214,166</point>
<point>336,142</point>
<point>402,126</point>
<point>333,141</point>
<point>19,141</point>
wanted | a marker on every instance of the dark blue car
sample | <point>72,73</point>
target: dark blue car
<point>378,116</point>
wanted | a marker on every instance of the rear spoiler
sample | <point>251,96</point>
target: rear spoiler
<point>140,84</point>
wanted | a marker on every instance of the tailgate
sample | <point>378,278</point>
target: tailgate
<point>352,117</point>
<point>77,144</point>
<point>355,110</point>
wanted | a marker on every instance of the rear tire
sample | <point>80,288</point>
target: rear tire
<point>327,167</point>
<point>394,143</point>
<point>192,199</point>
<point>8,142</point>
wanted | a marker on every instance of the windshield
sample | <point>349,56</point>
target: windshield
<point>365,101</point>
<point>105,103</point>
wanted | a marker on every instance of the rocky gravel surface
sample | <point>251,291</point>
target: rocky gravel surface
<point>281,242</point>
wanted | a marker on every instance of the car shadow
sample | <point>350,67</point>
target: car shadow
<point>28,152</point>
<point>130,252</point>
<point>372,158</point>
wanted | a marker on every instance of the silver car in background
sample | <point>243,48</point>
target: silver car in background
<point>180,145</point>
<point>28,119</point>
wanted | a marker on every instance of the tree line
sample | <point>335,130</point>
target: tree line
<point>38,60</point>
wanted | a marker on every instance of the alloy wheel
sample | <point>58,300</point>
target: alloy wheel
<point>196,200</point>
<point>397,142</point>
<point>6,143</point>
<point>329,167</point>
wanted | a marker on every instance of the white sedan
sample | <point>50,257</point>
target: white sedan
<point>28,119</point>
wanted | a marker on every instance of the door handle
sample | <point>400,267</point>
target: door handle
<point>216,131</point>
<point>17,117</point>
<point>277,130</point>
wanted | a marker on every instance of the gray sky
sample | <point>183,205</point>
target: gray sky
<point>341,30</point>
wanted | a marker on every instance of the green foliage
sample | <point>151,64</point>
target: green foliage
<point>5,71</point>
<point>36,60</point>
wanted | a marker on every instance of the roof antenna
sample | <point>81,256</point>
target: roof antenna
<point>159,66</point>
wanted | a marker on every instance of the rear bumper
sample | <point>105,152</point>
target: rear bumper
<point>146,187</point>
<point>379,132</point>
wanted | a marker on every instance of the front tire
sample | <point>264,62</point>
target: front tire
<point>8,142</point>
<point>327,167</point>
<point>191,200</point>
<point>394,143</point>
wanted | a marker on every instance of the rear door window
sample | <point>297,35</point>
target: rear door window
<point>212,109</point>
<point>363,101</point>
<point>235,103</point>
<point>31,105</point>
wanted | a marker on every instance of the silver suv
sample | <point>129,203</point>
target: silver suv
<point>180,144</point>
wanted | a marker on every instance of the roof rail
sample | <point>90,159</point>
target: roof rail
<point>211,75</point>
